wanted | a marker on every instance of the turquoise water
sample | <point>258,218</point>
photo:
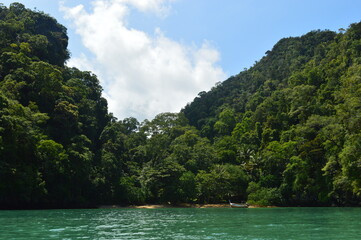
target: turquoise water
<point>177,223</point>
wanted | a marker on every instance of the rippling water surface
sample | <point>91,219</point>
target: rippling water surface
<point>177,223</point>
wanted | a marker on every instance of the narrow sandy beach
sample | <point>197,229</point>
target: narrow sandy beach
<point>184,205</point>
<point>155,206</point>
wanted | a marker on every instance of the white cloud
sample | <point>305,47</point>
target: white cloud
<point>142,75</point>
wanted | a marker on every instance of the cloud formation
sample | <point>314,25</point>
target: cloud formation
<point>142,75</point>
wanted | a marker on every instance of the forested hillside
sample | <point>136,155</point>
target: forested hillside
<point>287,131</point>
<point>292,121</point>
<point>51,116</point>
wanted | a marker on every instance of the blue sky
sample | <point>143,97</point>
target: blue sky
<point>156,55</point>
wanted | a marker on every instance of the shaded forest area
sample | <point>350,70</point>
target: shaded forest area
<point>285,132</point>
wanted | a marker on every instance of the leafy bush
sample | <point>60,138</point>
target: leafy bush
<point>262,196</point>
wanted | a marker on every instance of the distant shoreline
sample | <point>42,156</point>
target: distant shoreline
<point>183,205</point>
<point>149,206</point>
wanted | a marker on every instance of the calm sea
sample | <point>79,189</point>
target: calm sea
<point>177,223</point>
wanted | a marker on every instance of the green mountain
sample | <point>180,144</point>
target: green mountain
<point>284,132</point>
<point>293,119</point>
<point>51,116</point>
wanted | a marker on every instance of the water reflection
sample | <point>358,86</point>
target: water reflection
<point>281,223</point>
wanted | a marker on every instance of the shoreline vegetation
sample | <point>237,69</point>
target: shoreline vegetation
<point>182,205</point>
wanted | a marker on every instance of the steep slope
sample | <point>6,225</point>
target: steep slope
<point>289,55</point>
<point>293,119</point>
<point>51,116</point>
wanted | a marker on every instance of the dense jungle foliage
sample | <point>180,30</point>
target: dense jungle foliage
<point>287,131</point>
